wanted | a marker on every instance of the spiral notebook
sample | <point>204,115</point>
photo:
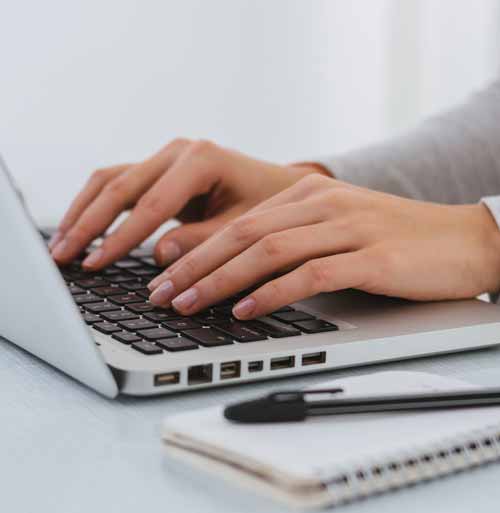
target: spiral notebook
<point>334,459</point>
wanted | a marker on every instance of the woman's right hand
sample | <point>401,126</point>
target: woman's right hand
<point>201,184</point>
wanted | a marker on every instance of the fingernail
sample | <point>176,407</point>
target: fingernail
<point>55,239</point>
<point>185,300</point>
<point>244,308</point>
<point>156,282</point>
<point>169,252</point>
<point>93,258</point>
<point>163,293</point>
<point>60,249</point>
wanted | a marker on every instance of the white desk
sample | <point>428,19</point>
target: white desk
<point>64,448</point>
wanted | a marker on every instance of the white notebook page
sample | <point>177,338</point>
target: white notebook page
<point>322,446</point>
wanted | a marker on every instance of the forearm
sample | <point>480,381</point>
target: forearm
<point>450,158</point>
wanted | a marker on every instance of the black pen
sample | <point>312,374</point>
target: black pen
<point>298,405</point>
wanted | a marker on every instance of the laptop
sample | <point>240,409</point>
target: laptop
<point>100,329</point>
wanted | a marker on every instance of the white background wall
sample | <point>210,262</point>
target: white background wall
<point>86,83</point>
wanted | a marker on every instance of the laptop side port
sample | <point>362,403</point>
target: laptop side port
<point>167,378</point>
<point>230,370</point>
<point>314,358</point>
<point>282,362</point>
<point>200,374</point>
<point>255,366</point>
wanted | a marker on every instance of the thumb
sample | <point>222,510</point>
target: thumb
<point>179,241</point>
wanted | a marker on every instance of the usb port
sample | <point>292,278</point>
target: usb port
<point>255,366</point>
<point>314,358</point>
<point>168,378</point>
<point>230,370</point>
<point>282,362</point>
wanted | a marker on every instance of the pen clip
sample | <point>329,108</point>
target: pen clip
<point>293,396</point>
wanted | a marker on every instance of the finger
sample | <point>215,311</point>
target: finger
<point>92,188</point>
<point>181,240</point>
<point>194,173</point>
<point>117,195</point>
<point>231,241</point>
<point>265,258</point>
<point>328,274</point>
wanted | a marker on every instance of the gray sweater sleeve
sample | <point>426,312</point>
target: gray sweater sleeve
<point>451,158</point>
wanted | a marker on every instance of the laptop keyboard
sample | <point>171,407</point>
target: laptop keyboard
<point>114,301</point>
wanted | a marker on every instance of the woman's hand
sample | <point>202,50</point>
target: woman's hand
<point>199,183</point>
<point>323,235</point>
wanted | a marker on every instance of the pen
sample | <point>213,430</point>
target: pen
<point>290,406</point>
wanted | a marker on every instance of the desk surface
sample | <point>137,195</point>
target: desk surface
<point>66,449</point>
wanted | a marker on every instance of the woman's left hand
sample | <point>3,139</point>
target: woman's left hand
<point>323,235</point>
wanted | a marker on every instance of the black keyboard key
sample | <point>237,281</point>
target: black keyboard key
<point>137,324</point>
<point>101,307</point>
<point>106,327</point>
<point>147,348</point>
<point>176,344</point>
<point>144,272</point>
<point>125,337</point>
<point>110,271</point>
<point>73,275</point>
<point>273,328</point>
<point>240,332</point>
<point>76,290</point>
<point>90,318</point>
<point>156,333</point>
<point>140,307</point>
<point>315,326</point>
<point>284,309</point>
<point>119,315</point>
<point>209,337</point>
<point>127,263</point>
<point>224,310</point>
<point>120,278</point>
<point>126,299</point>
<point>133,285</point>
<point>181,324</point>
<point>162,315</point>
<point>210,318</point>
<point>108,291</point>
<point>83,299</point>
<point>145,293</point>
<point>293,316</point>
<point>90,283</point>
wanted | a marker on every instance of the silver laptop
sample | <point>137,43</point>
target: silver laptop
<point>100,329</point>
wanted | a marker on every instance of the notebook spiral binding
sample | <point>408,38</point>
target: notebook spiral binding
<point>455,454</point>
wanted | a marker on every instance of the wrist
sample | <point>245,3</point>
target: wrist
<point>490,246</point>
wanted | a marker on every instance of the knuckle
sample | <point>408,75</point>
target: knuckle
<point>100,175</point>
<point>118,187</point>
<point>271,292</point>
<point>272,245</point>
<point>220,280</point>
<point>81,232</point>
<point>187,269</point>
<point>313,182</point>
<point>150,205</point>
<point>388,260</point>
<point>383,263</point>
<point>243,229</point>
<point>178,142</point>
<point>202,148</point>
<point>319,274</point>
